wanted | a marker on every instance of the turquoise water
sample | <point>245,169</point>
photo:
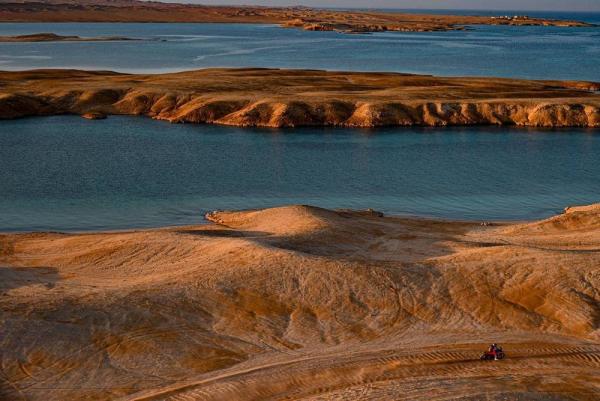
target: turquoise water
<point>67,173</point>
<point>524,52</point>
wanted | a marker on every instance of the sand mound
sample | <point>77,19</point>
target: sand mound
<point>577,227</point>
<point>300,302</point>
<point>283,220</point>
<point>575,218</point>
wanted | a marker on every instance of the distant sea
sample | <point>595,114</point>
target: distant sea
<point>520,52</point>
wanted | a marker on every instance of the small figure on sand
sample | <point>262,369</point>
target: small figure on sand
<point>494,352</point>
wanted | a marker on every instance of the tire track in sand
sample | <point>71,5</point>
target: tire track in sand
<point>304,377</point>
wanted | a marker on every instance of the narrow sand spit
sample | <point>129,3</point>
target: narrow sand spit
<point>52,37</point>
<point>292,98</point>
<point>304,303</point>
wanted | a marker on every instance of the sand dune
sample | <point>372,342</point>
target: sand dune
<point>304,303</point>
<point>291,98</point>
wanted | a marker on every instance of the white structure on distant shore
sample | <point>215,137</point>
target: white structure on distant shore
<point>514,17</point>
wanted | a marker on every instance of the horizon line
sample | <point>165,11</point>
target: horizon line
<point>421,9</point>
<point>372,8</point>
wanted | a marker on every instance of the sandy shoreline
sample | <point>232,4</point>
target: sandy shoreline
<point>304,303</point>
<point>257,97</point>
<point>347,21</point>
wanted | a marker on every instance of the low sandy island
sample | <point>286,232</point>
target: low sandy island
<point>295,17</point>
<point>304,303</point>
<point>52,37</point>
<point>291,98</point>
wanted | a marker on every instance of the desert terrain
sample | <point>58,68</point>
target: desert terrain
<point>291,98</point>
<point>302,303</point>
<point>298,302</point>
<point>347,21</point>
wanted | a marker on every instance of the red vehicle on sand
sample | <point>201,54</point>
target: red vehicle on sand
<point>495,353</point>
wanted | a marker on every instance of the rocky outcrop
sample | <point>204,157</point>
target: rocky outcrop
<point>94,116</point>
<point>280,98</point>
<point>294,114</point>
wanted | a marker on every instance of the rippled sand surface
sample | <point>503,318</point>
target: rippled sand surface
<point>304,303</point>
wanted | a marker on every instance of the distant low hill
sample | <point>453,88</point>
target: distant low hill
<point>293,17</point>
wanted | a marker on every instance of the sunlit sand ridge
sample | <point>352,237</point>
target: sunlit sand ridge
<point>304,303</point>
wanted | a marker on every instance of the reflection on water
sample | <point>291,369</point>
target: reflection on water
<point>66,173</point>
